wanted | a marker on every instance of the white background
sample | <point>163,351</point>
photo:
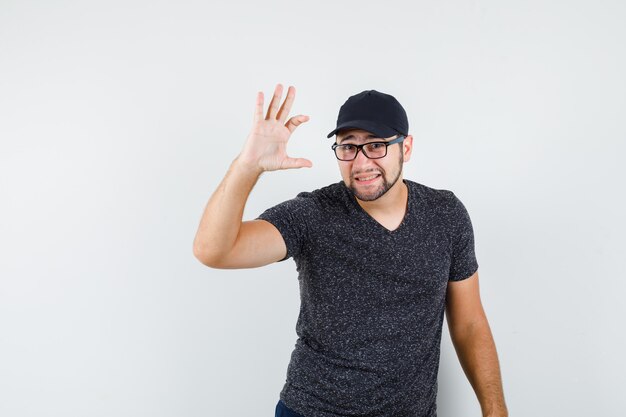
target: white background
<point>118,119</point>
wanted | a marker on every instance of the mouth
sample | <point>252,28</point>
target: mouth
<point>367,179</point>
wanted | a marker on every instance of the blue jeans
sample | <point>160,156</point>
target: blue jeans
<point>283,411</point>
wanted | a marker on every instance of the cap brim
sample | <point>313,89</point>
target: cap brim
<point>372,127</point>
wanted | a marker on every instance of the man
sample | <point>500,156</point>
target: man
<point>379,260</point>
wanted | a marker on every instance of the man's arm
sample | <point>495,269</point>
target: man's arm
<point>222,239</point>
<point>474,345</point>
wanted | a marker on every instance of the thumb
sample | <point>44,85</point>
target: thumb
<point>296,121</point>
<point>289,163</point>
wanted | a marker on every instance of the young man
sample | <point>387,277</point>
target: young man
<point>379,259</point>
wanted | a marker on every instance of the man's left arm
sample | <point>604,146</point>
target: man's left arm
<point>474,345</point>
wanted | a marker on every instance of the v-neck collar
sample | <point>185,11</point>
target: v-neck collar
<point>371,220</point>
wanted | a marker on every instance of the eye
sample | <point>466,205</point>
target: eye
<point>376,146</point>
<point>346,147</point>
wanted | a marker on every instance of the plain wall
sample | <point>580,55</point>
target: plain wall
<point>118,120</point>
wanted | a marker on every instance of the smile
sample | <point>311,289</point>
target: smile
<point>367,179</point>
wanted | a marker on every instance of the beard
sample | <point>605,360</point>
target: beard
<point>377,192</point>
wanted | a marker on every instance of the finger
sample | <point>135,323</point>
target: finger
<point>273,108</point>
<point>291,163</point>
<point>286,107</point>
<point>258,110</point>
<point>296,121</point>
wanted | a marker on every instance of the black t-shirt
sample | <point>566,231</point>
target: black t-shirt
<point>372,300</point>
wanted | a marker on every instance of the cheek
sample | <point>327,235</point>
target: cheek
<point>345,168</point>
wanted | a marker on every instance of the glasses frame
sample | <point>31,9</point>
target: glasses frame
<point>360,148</point>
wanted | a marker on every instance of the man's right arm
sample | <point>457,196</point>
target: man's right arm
<point>223,240</point>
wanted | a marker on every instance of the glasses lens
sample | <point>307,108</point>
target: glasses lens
<point>345,152</point>
<point>375,150</point>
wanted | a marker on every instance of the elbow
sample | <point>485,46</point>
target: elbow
<point>469,330</point>
<point>205,256</point>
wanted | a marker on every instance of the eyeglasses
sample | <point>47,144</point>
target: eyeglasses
<point>371,150</point>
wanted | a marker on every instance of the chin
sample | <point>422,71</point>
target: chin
<point>370,195</point>
<point>375,194</point>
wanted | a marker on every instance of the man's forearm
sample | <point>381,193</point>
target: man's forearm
<point>223,213</point>
<point>478,357</point>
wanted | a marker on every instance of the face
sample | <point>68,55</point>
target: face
<point>370,179</point>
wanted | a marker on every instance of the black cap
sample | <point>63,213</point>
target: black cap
<point>376,112</point>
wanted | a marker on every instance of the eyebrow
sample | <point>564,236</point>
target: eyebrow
<point>352,137</point>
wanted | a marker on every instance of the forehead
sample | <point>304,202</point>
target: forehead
<point>354,134</point>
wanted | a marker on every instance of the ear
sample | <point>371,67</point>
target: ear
<point>407,147</point>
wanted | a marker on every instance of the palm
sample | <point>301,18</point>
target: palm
<point>274,137</point>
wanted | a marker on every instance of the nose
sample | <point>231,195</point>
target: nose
<point>360,158</point>
<point>361,163</point>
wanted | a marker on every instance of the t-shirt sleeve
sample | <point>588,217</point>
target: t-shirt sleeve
<point>292,219</point>
<point>463,261</point>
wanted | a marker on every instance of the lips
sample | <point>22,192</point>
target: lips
<point>367,179</point>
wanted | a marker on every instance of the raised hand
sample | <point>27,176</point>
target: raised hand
<point>266,146</point>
